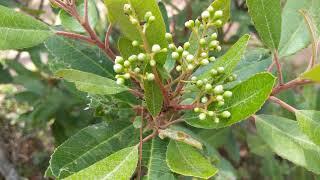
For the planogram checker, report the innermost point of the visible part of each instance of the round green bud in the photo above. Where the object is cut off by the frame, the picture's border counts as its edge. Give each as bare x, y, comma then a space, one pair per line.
118, 59
204, 99
197, 22
211, 113
204, 54
172, 46
210, 9
134, 21
180, 49
193, 78
156, 48
227, 94
179, 68
168, 36
205, 15
151, 19
127, 8
150, 77
147, 15
220, 103
196, 109
185, 53
218, 23
234, 76
175, 55
218, 89
208, 87
214, 72
220, 70
126, 63
152, 62
190, 67
219, 98
226, 114
216, 120
142, 57
186, 45
135, 43
133, 58
219, 48
120, 81
126, 76
137, 70
202, 116
199, 83
189, 24
214, 36
211, 59
202, 41
218, 14
190, 58
214, 44
205, 80
204, 61
117, 68
164, 50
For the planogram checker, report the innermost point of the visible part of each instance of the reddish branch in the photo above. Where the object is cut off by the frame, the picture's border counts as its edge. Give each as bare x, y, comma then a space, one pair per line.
290, 85
279, 68
282, 104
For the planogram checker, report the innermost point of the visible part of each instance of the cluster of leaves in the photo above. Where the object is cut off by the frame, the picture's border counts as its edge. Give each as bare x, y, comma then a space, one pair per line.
166, 85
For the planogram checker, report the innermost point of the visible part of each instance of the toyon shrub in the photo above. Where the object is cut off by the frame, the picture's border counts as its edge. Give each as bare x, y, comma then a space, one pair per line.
176, 93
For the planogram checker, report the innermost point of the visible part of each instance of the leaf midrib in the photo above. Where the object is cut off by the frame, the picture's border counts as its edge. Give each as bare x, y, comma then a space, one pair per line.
267, 23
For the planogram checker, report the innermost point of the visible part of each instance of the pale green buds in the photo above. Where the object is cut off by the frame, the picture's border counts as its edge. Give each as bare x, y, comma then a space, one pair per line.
150, 77
189, 24
211, 59
202, 41
190, 58
204, 99
214, 72
137, 70
133, 58
218, 89
218, 23
190, 67
180, 49
220, 103
227, 94
175, 55
179, 68
186, 45
142, 57
152, 62
204, 54
117, 68
126, 63
134, 21
156, 48
199, 83
225, 114
127, 8
214, 44
193, 78
205, 15
118, 59
120, 81
204, 61
185, 53
219, 48
214, 36
210, 9
147, 16
135, 43
202, 116
196, 109
219, 98
211, 113
168, 36
172, 46
220, 70
218, 14
151, 19
208, 87
216, 120
126, 76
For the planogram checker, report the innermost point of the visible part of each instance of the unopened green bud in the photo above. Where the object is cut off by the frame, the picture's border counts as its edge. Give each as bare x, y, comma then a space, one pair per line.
211, 113
214, 72
204, 61
126, 63
178, 68
142, 57
216, 120
190, 58
126, 76
150, 77
202, 41
186, 45
205, 80
226, 114
220, 70
196, 109
120, 81
204, 99
220, 103
152, 62
151, 19
227, 94
168, 36
199, 83
219, 48
193, 78
210, 9
147, 16
205, 14
189, 24
185, 53
118, 59
211, 59
219, 98
218, 89
202, 116
117, 68
133, 58
156, 48
218, 14
175, 55
208, 87
190, 67
197, 22
127, 8
214, 44
180, 49
164, 50
135, 43
137, 70
134, 21
214, 36
204, 54
172, 46
218, 23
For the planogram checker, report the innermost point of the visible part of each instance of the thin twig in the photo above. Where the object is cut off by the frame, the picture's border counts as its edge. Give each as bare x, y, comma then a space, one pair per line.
271, 66
75, 36
292, 84
108, 33
279, 68
171, 123
86, 17
282, 104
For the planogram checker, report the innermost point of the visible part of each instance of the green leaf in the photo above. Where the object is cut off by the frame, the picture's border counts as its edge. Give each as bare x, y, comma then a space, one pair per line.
229, 60
313, 74
186, 160
294, 32
284, 138
91, 83
155, 33
19, 31
90, 145
266, 15
164, 14
156, 161
248, 97
72, 24
126, 49
309, 123
78, 55
258, 146
153, 97
120, 165
223, 5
